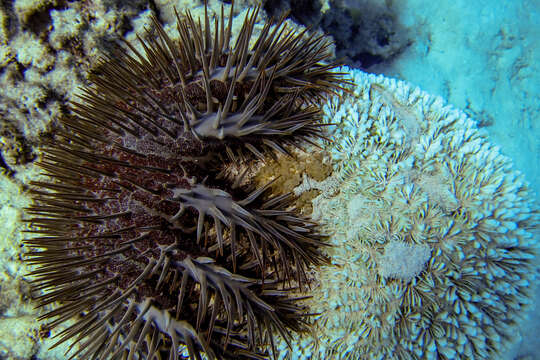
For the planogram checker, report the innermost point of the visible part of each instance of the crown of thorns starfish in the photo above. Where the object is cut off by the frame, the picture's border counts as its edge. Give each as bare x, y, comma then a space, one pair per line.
139, 237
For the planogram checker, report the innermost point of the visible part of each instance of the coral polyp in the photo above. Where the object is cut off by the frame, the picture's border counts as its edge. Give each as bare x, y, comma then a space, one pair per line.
142, 234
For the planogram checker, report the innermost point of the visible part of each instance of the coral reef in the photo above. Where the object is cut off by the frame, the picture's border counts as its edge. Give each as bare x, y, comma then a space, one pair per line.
410, 170
48, 47
140, 234
58, 53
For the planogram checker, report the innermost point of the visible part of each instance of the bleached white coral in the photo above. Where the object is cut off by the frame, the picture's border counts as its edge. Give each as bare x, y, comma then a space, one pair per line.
31, 51
403, 261
66, 25
414, 171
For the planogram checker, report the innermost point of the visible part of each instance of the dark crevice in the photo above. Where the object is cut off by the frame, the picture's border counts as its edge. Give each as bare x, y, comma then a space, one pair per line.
39, 21
366, 33
5, 166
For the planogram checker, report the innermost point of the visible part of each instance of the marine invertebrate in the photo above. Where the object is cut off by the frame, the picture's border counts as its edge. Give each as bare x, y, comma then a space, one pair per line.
142, 234
410, 169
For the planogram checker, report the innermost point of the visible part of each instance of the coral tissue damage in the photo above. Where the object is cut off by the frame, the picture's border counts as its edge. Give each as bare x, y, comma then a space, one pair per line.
141, 234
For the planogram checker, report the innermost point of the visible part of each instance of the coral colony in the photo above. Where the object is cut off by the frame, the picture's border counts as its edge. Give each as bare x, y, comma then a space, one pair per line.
148, 234
433, 252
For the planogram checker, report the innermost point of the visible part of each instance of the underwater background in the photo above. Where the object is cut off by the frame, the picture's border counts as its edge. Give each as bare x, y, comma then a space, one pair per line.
480, 56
